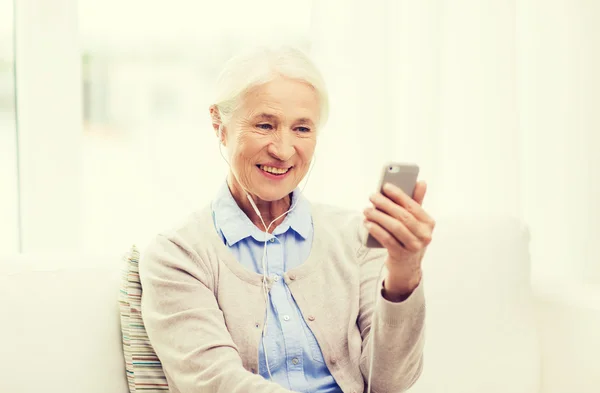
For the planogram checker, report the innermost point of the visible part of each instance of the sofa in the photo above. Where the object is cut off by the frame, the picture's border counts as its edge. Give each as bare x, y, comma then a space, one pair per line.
488, 329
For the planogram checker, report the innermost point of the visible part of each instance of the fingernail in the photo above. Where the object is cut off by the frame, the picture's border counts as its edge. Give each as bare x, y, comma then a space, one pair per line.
387, 187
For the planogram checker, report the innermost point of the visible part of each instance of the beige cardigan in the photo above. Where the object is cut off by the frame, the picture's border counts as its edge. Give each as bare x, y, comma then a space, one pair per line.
204, 311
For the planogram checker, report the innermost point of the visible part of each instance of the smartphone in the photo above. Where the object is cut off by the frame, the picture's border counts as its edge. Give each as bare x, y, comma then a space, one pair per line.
403, 176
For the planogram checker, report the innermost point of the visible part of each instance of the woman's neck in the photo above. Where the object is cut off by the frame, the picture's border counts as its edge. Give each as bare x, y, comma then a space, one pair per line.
269, 210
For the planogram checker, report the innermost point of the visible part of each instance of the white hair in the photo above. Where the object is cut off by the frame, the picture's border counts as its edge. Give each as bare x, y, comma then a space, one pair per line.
260, 65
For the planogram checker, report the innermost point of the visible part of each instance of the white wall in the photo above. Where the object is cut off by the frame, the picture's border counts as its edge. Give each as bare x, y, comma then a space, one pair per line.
559, 101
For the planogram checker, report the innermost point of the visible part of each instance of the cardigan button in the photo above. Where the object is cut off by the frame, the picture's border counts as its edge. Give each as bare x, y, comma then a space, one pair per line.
333, 360
311, 317
292, 276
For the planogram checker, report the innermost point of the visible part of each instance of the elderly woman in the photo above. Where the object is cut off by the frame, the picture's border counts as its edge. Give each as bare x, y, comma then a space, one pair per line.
265, 292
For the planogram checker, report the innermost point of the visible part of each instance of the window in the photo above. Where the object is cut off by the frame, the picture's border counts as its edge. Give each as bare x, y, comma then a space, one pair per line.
9, 225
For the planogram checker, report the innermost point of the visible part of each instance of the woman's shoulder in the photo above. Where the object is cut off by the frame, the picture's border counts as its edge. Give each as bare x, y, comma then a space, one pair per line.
193, 234
333, 212
188, 227
339, 221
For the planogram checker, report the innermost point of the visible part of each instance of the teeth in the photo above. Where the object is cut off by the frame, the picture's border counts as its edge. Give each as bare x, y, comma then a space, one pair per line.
275, 171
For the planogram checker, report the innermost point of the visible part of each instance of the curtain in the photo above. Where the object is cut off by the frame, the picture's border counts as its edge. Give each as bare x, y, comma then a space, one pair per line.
497, 101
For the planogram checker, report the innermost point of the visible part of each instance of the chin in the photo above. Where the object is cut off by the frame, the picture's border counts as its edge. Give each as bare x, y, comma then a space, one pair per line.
271, 191
272, 195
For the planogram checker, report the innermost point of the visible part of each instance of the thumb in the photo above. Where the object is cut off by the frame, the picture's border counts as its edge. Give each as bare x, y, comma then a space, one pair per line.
419, 193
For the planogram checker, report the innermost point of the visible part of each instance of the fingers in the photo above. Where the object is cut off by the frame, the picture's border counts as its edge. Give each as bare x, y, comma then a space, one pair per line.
388, 241
393, 234
398, 213
420, 191
412, 206
391, 209
398, 221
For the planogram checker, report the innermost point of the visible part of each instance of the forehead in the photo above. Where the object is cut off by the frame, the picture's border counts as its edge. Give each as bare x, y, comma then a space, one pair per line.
282, 97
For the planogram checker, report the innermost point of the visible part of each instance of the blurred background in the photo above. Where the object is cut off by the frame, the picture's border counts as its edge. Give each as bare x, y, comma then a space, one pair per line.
106, 140
105, 137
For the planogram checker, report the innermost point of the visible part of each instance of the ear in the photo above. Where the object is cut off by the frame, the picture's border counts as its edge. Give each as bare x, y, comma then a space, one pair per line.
217, 123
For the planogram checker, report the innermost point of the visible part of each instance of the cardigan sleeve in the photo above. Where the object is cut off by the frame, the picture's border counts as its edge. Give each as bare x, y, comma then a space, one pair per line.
186, 326
396, 330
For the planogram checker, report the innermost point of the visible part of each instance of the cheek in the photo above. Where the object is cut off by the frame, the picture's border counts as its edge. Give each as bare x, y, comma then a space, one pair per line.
249, 145
244, 150
306, 150
306, 153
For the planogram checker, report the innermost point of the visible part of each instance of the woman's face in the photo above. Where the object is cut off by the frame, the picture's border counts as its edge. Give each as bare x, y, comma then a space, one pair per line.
271, 138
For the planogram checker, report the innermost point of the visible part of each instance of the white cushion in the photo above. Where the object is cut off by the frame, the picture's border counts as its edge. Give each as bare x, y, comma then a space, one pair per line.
59, 331
569, 329
481, 334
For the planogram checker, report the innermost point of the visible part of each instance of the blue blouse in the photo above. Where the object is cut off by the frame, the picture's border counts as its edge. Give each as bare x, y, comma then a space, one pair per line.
294, 356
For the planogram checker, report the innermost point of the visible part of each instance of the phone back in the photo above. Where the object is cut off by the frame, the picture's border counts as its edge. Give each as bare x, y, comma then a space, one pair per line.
402, 175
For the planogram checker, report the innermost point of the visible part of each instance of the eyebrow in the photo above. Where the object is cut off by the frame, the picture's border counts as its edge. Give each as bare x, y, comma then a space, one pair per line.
270, 117
306, 120
266, 116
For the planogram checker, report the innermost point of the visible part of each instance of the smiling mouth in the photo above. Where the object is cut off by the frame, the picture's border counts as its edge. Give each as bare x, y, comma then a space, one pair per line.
274, 171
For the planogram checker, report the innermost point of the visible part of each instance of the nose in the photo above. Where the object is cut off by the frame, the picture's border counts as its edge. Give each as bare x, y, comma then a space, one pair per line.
282, 147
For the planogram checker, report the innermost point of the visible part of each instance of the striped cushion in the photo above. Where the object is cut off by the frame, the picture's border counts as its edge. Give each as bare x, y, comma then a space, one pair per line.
144, 370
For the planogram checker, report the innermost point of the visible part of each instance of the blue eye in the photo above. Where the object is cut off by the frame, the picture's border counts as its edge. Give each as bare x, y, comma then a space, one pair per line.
303, 129
265, 126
